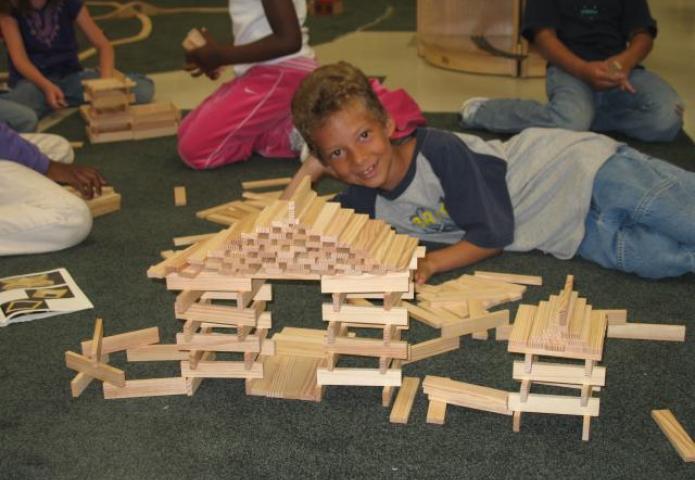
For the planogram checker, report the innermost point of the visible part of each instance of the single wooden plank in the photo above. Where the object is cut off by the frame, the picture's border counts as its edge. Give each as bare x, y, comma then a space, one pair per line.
511, 277
675, 433
466, 394
149, 387
369, 347
180, 196
271, 182
436, 412
404, 400
102, 371
191, 239
559, 373
222, 369
156, 353
555, 404
365, 314
367, 377
218, 342
79, 383
124, 341
366, 283
647, 331
471, 325
97, 339
431, 348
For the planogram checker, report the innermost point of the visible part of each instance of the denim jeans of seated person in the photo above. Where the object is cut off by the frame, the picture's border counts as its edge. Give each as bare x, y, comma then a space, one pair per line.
642, 217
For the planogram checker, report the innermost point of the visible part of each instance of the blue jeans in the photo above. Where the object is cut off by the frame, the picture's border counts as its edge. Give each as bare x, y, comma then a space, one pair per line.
652, 114
642, 217
30, 104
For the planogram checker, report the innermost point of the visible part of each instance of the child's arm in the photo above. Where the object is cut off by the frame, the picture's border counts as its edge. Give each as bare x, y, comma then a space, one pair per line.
598, 74
640, 45
285, 39
97, 38
311, 168
448, 258
15, 46
86, 180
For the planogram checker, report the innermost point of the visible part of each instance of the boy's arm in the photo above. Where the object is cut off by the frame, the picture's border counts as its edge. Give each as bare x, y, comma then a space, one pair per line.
15, 46
311, 168
97, 38
448, 258
285, 39
597, 74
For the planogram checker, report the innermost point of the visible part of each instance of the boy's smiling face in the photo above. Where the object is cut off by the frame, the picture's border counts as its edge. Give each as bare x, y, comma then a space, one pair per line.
355, 145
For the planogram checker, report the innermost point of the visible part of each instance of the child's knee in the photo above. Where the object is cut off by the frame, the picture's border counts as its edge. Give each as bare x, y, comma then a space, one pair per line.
76, 226
25, 121
144, 89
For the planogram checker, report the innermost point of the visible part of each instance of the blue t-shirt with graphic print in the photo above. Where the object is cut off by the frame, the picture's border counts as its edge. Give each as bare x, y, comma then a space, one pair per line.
450, 193
49, 39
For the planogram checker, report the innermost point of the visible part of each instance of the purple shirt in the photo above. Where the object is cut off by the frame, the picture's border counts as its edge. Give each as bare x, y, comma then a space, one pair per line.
49, 39
15, 149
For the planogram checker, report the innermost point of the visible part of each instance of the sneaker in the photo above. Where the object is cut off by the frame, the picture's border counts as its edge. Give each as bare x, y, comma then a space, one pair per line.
468, 110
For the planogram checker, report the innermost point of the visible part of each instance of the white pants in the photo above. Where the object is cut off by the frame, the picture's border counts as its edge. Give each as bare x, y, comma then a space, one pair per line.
36, 214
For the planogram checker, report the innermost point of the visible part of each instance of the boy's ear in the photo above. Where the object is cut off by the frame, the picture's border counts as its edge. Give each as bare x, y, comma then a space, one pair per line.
390, 126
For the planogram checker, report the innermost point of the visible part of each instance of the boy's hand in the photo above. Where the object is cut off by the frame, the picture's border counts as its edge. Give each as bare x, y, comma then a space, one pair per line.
86, 180
615, 66
207, 59
54, 96
601, 76
425, 269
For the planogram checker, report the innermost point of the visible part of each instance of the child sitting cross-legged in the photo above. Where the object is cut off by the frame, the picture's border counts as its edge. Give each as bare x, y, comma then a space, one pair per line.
563, 192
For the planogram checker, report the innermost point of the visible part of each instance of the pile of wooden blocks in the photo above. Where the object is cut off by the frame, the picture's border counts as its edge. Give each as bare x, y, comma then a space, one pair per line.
110, 117
303, 237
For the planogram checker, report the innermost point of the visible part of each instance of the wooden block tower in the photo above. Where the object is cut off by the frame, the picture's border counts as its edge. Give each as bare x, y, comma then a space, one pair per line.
110, 117
303, 238
564, 327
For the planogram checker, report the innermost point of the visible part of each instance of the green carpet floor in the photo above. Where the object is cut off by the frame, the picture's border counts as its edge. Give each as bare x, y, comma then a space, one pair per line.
222, 433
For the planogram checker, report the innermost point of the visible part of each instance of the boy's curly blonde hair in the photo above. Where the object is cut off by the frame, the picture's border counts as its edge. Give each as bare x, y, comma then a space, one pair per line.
328, 90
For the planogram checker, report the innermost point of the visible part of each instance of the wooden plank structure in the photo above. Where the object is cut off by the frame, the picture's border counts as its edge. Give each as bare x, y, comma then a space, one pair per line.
110, 117
565, 327
109, 201
303, 238
477, 36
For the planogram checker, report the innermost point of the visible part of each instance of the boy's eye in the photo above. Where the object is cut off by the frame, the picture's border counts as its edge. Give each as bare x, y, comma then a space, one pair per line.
364, 134
335, 154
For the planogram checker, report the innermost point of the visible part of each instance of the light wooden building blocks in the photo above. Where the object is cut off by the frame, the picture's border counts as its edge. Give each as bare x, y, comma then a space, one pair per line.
676, 434
565, 327
110, 117
109, 201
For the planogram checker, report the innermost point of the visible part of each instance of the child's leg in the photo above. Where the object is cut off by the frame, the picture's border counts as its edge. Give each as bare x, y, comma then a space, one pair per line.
30, 96
36, 214
18, 117
53, 146
653, 114
641, 219
250, 113
570, 106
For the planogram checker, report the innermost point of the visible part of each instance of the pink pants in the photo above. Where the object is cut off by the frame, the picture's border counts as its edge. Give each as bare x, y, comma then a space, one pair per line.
252, 114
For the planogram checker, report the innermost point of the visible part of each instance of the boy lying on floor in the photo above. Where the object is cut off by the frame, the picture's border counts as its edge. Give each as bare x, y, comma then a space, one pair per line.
562, 192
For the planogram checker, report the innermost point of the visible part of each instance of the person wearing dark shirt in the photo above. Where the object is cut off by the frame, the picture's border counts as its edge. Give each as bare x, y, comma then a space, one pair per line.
594, 79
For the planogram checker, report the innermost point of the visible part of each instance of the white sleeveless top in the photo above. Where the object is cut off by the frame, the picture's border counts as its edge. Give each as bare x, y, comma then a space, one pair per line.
249, 24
